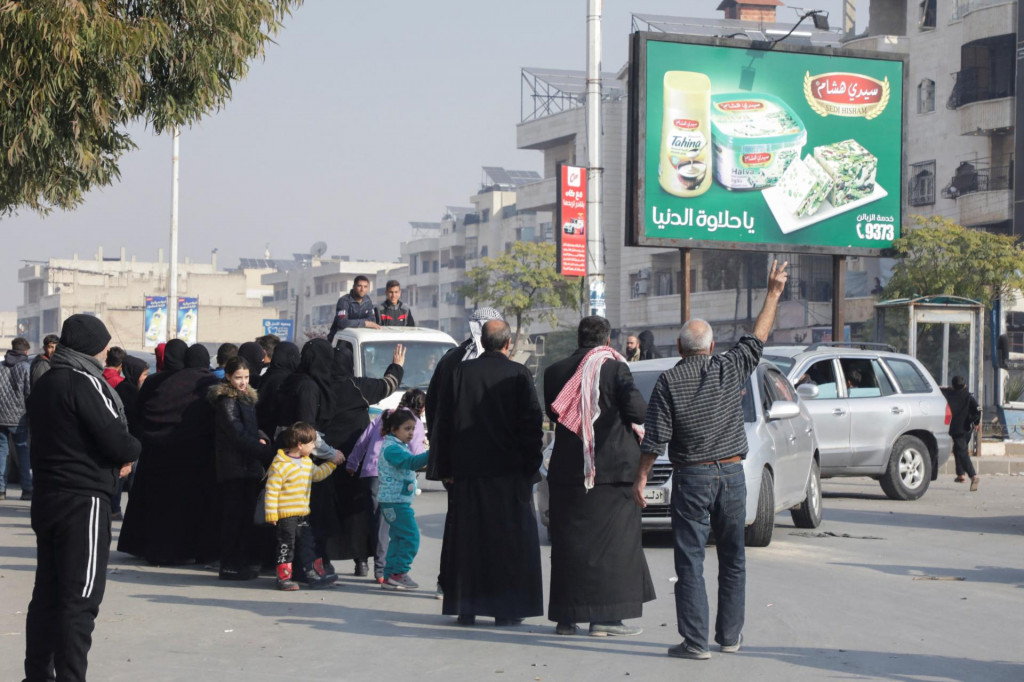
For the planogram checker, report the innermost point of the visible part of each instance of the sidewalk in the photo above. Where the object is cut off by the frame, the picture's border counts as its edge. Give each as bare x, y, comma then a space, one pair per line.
997, 457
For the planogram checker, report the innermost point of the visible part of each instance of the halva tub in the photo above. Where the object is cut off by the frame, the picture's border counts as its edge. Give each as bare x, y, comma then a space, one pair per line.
755, 136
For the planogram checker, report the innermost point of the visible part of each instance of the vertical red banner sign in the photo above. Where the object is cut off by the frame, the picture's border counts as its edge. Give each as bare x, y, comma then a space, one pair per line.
571, 221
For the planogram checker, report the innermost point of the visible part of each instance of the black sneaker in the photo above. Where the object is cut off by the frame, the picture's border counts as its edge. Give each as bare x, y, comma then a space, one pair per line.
362, 569
684, 650
733, 648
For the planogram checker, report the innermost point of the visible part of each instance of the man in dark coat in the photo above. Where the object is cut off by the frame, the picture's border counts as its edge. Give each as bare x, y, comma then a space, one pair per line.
965, 418
354, 309
80, 447
392, 312
490, 437
598, 570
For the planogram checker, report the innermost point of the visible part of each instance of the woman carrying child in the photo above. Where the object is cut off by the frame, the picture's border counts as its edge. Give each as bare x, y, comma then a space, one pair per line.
291, 475
396, 470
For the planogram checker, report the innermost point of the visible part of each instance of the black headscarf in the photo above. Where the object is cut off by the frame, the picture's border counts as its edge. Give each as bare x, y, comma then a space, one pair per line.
286, 358
197, 357
342, 366
132, 368
253, 354
284, 363
174, 355
315, 362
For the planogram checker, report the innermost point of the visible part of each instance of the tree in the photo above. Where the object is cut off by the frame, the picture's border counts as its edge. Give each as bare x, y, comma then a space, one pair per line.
75, 73
940, 257
523, 284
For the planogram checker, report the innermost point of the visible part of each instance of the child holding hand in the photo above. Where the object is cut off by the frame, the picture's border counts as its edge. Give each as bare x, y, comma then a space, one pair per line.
291, 475
396, 470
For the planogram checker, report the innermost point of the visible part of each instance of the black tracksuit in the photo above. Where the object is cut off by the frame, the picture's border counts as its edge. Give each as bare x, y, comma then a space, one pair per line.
79, 444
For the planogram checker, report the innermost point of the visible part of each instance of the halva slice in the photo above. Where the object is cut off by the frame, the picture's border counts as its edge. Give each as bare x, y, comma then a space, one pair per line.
796, 186
852, 169
821, 188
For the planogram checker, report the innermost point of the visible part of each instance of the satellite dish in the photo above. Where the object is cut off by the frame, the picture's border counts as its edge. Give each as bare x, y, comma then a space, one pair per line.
318, 249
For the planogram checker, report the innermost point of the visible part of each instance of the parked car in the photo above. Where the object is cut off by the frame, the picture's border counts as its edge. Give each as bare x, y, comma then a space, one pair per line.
877, 413
781, 467
372, 351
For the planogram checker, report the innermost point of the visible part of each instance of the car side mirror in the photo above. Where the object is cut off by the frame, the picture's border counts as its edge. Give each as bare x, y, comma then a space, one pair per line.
807, 391
783, 409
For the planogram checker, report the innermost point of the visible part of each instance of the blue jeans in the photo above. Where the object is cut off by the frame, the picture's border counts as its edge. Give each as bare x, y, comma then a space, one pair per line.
705, 498
404, 537
20, 434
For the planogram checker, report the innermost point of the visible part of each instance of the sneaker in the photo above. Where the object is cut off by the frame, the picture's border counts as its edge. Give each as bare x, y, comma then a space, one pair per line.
317, 581
974, 484
732, 648
379, 579
3, 495
284, 578
362, 569
26, 496
566, 629
617, 629
400, 581
438, 592
684, 650
320, 566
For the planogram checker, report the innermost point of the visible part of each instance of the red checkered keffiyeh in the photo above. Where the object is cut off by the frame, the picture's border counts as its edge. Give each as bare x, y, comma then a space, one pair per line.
578, 405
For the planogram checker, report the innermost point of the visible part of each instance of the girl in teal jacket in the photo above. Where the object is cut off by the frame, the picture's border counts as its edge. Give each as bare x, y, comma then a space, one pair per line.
396, 471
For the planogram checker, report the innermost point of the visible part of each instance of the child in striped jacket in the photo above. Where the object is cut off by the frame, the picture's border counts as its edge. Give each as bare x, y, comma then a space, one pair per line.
291, 475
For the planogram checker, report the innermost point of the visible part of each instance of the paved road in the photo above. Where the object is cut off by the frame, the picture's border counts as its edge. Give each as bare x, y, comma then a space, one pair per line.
873, 599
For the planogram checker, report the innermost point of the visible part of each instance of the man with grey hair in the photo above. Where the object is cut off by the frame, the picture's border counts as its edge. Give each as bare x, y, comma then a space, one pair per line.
490, 438
696, 410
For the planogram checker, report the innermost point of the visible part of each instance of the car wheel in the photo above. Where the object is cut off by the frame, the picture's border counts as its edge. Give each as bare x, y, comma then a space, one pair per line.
808, 514
759, 533
909, 471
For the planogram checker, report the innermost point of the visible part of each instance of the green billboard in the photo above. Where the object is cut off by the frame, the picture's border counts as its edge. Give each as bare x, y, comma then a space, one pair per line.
781, 149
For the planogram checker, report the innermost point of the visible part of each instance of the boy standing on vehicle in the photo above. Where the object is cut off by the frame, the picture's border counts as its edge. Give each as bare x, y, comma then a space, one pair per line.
392, 312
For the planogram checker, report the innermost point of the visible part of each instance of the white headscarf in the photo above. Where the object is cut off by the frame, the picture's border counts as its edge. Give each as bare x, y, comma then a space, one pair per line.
476, 329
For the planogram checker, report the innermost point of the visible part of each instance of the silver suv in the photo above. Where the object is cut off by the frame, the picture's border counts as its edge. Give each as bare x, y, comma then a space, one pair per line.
876, 413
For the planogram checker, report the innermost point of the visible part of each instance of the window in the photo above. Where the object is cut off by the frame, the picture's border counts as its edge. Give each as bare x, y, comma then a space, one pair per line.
926, 96
922, 183
908, 376
776, 388
823, 375
927, 14
865, 378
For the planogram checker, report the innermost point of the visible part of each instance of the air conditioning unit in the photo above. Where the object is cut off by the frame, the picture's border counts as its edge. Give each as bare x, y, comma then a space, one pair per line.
640, 286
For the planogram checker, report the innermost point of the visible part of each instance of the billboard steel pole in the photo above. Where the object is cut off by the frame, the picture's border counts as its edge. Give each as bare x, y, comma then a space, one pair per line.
172, 277
595, 237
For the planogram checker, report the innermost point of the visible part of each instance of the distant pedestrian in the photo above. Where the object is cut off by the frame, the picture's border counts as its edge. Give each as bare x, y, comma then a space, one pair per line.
80, 447
966, 415
135, 371
269, 343
397, 470
354, 309
647, 349
291, 474
225, 352
599, 573
41, 363
286, 361
15, 386
112, 371
392, 312
256, 357
632, 348
696, 411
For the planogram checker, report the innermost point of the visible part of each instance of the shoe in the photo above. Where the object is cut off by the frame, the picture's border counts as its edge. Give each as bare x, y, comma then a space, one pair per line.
617, 629
466, 620
380, 580
245, 573
507, 622
320, 566
732, 648
26, 496
566, 629
362, 569
400, 581
438, 592
974, 484
117, 516
960, 479
3, 495
317, 581
684, 650
284, 578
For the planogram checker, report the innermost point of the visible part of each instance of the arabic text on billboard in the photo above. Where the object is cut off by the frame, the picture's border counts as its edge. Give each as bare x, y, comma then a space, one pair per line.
572, 221
282, 329
766, 148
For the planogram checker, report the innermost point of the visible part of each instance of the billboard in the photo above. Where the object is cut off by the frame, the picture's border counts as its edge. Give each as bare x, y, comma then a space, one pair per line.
571, 221
156, 321
188, 319
763, 150
282, 329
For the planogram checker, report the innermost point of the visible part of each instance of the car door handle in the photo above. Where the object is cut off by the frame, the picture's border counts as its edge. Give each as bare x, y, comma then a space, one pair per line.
897, 410
808, 430
839, 413
792, 438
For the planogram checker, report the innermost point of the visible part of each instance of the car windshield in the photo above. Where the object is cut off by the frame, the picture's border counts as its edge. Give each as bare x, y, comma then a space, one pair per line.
645, 384
781, 361
420, 359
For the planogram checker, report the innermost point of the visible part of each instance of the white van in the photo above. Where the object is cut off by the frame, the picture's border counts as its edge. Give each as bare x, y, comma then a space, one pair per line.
372, 351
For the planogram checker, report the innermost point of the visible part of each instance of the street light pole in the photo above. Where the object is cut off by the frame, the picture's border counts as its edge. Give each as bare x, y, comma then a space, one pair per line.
595, 238
172, 277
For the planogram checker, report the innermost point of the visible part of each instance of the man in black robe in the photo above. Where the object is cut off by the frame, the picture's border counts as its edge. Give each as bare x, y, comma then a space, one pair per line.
598, 570
490, 438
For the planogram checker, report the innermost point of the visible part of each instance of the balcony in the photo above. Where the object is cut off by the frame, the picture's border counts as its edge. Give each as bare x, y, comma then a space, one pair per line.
983, 193
987, 117
537, 196
30, 272
879, 43
984, 18
977, 84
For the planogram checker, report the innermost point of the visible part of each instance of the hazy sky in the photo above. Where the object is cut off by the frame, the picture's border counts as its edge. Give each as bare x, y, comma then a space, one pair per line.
363, 117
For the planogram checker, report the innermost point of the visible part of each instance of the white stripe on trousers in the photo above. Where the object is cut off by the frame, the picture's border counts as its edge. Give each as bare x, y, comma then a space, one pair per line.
94, 540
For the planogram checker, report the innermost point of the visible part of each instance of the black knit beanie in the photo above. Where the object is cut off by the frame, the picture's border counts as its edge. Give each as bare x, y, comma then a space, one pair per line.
85, 334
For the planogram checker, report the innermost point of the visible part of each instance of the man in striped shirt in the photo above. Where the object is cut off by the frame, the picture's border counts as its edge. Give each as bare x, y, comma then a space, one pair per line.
695, 409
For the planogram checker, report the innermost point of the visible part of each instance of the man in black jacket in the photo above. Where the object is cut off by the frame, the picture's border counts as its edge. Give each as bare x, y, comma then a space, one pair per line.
80, 447
599, 573
354, 309
965, 418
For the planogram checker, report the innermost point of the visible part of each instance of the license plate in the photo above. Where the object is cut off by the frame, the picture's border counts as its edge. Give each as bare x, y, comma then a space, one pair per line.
654, 495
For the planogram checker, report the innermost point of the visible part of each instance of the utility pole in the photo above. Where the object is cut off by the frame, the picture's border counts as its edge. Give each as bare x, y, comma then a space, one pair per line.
172, 277
595, 238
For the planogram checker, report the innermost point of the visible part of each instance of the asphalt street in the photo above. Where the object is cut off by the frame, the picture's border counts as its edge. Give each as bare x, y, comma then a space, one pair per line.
926, 590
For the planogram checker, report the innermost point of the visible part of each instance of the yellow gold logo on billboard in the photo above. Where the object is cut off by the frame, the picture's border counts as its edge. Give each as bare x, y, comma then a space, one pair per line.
846, 94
